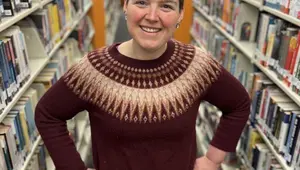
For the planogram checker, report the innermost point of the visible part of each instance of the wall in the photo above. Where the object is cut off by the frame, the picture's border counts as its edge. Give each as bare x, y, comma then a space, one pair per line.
97, 14
183, 32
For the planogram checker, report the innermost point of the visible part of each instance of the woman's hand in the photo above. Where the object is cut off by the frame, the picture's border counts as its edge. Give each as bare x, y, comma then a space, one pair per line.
204, 163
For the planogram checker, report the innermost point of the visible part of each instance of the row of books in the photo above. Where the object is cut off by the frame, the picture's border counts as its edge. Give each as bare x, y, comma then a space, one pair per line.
282, 131
10, 8
278, 49
221, 48
13, 63
277, 116
112, 15
18, 132
227, 10
291, 7
277, 41
82, 32
255, 152
38, 161
14, 51
52, 21
79, 5
237, 18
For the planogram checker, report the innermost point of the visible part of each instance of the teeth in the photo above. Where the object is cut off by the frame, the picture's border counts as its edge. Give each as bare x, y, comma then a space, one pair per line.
151, 30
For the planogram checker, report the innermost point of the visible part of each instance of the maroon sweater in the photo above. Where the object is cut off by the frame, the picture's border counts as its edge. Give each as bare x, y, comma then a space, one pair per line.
142, 113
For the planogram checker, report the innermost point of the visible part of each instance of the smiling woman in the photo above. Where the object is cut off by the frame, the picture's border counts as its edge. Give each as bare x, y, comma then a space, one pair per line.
143, 96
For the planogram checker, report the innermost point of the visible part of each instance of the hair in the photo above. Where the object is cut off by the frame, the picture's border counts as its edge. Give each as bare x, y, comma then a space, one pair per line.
181, 2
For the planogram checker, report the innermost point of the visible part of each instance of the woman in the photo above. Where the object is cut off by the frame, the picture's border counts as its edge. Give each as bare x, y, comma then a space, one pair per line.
142, 97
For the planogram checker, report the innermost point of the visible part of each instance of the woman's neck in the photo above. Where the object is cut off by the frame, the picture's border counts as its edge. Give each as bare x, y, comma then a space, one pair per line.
133, 50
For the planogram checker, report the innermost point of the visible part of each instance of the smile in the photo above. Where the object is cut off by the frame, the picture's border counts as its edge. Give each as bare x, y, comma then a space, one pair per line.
150, 30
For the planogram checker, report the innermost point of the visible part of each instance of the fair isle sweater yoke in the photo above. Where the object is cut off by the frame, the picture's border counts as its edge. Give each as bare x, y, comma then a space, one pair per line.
142, 113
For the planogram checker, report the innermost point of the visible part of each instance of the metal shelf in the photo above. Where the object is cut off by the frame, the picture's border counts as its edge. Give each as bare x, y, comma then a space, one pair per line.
247, 48
257, 4
9, 21
36, 66
275, 12
33, 149
279, 158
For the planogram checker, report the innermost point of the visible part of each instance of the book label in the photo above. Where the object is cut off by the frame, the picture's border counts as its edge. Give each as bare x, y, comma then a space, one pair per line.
7, 12
24, 5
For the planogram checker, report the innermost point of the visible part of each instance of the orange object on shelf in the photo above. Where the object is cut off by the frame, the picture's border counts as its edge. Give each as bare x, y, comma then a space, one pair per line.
97, 14
183, 32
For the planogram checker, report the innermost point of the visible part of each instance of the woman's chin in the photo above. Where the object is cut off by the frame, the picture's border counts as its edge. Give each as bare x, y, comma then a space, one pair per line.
152, 46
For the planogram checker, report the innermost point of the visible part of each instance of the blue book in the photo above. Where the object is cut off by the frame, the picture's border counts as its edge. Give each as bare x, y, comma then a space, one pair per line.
288, 142
16, 114
4, 70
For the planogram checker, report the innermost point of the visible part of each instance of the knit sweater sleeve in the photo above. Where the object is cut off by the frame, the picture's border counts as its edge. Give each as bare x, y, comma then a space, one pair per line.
228, 94
58, 105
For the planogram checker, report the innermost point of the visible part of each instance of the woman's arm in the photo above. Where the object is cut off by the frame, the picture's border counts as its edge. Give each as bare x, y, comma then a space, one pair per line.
58, 105
228, 94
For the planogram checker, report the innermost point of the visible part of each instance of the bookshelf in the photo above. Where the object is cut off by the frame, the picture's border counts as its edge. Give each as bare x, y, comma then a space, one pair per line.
243, 157
254, 3
38, 58
274, 12
247, 48
278, 157
199, 43
89, 39
73, 25
7, 22
112, 14
249, 51
36, 65
35, 146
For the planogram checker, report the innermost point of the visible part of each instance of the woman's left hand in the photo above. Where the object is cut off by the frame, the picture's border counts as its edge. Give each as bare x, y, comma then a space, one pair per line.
204, 163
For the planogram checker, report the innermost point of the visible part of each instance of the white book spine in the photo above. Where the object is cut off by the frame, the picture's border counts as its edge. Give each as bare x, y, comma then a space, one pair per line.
282, 135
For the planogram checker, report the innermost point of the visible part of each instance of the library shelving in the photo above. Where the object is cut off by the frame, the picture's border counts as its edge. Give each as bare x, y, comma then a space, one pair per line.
36, 65
242, 156
248, 48
28, 158
7, 22
278, 157
249, 51
112, 15
257, 4
38, 57
274, 12
245, 47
